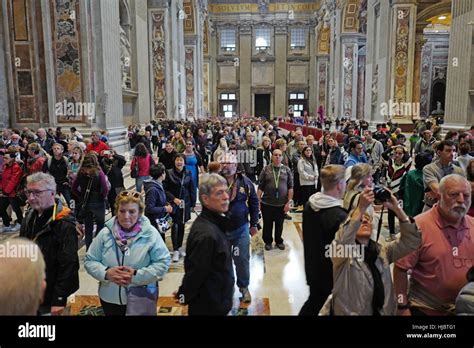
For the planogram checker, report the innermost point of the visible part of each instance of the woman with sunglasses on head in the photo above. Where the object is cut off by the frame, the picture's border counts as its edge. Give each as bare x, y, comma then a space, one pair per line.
397, 166
127, 253
180, 191
193, 163
90, 189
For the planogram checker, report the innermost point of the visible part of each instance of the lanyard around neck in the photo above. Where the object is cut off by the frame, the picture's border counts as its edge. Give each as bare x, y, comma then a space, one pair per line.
276, 178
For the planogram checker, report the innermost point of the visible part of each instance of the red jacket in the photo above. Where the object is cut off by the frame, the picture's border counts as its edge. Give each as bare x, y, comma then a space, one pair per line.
144, 164
35, 165
97, 147
11, 177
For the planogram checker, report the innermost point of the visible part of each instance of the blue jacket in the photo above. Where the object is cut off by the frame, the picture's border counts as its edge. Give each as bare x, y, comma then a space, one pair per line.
148, 254
245, 202
155, 200
353, 160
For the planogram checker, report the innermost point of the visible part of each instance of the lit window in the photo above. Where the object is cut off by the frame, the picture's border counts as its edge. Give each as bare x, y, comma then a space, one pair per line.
262, 38
292, 95
300, 96
298, 38
228, 39
232, 96
224, 96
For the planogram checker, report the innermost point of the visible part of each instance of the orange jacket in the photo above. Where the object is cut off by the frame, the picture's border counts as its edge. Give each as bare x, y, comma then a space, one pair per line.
11, 177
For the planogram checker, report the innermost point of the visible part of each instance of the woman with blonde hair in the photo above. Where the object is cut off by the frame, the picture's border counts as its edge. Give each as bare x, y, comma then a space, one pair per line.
128, 257
361, 177
264, 155
75, 161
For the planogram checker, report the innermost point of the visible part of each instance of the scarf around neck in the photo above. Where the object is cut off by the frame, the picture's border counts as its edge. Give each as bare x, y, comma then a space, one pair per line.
122, 237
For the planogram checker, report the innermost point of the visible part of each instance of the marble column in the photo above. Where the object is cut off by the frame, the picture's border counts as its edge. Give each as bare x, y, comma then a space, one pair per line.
402, 56
4, 87
108, 84
348, 76
213, 97
140, 61
322, 82
245, 68
419, 42
313, 49
281, 97
459, 111
335, 106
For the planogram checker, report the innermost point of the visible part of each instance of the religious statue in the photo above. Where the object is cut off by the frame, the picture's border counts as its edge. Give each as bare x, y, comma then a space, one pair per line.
263, 6
375, 79
125, 57
438, 110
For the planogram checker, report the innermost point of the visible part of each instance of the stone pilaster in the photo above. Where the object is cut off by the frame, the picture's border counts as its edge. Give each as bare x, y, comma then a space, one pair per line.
459, 111
402, 55
245, 68
109, 111
348, 76
281, 97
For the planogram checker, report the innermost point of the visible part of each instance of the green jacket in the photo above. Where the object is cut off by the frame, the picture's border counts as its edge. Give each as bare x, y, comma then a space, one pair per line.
413, 193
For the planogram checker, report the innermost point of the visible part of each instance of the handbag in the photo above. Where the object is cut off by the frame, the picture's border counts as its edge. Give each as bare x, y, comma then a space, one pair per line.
141, 300
164, 223
135, 170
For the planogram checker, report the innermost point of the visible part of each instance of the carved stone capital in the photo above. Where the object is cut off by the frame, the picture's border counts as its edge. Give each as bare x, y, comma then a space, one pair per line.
245, 27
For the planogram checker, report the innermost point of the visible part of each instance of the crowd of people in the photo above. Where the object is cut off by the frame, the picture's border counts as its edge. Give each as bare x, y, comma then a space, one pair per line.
241, 171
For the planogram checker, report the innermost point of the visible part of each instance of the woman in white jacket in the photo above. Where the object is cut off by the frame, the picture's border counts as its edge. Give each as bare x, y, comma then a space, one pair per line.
308, 171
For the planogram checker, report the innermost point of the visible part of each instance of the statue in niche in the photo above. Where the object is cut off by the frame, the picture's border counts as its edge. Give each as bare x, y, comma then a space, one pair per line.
263, 7
438, 110
375, 80
125, 57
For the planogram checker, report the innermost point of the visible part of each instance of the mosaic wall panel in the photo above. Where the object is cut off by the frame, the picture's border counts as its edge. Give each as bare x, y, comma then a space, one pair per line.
189, 20
189, 66
67, 55
205, 71
322, 84
426, 56
158, 64
361, 87
402, 33
348, 65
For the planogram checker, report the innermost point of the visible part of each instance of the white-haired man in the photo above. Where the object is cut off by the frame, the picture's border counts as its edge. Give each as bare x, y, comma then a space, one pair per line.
439, 266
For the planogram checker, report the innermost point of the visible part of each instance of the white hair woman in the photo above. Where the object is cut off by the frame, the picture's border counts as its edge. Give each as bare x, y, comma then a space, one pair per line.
127, 253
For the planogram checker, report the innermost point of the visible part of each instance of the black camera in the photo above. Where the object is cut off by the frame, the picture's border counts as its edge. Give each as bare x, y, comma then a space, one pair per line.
381, 194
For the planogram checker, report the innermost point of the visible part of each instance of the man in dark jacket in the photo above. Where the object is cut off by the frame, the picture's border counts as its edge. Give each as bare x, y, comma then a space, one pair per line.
112, 164
167, 156
53, 228
57, 166
243, 201
321, 219
208, 282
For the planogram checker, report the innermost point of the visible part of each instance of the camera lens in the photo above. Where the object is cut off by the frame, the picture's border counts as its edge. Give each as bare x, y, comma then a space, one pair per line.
381, 194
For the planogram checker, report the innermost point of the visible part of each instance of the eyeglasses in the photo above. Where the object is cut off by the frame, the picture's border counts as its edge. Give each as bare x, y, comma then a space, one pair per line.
35, 194
133, 194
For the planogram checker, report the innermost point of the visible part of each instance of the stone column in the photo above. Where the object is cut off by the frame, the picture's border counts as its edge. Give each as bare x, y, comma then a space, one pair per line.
313, 49
245, 68
108, 85
281, 49
4, 105
419, 42
140, 62
335, 106
402, 56
348, 76
459, 111
213, 44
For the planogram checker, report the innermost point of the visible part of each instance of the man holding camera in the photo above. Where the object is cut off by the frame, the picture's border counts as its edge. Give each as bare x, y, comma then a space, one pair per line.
243, 201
